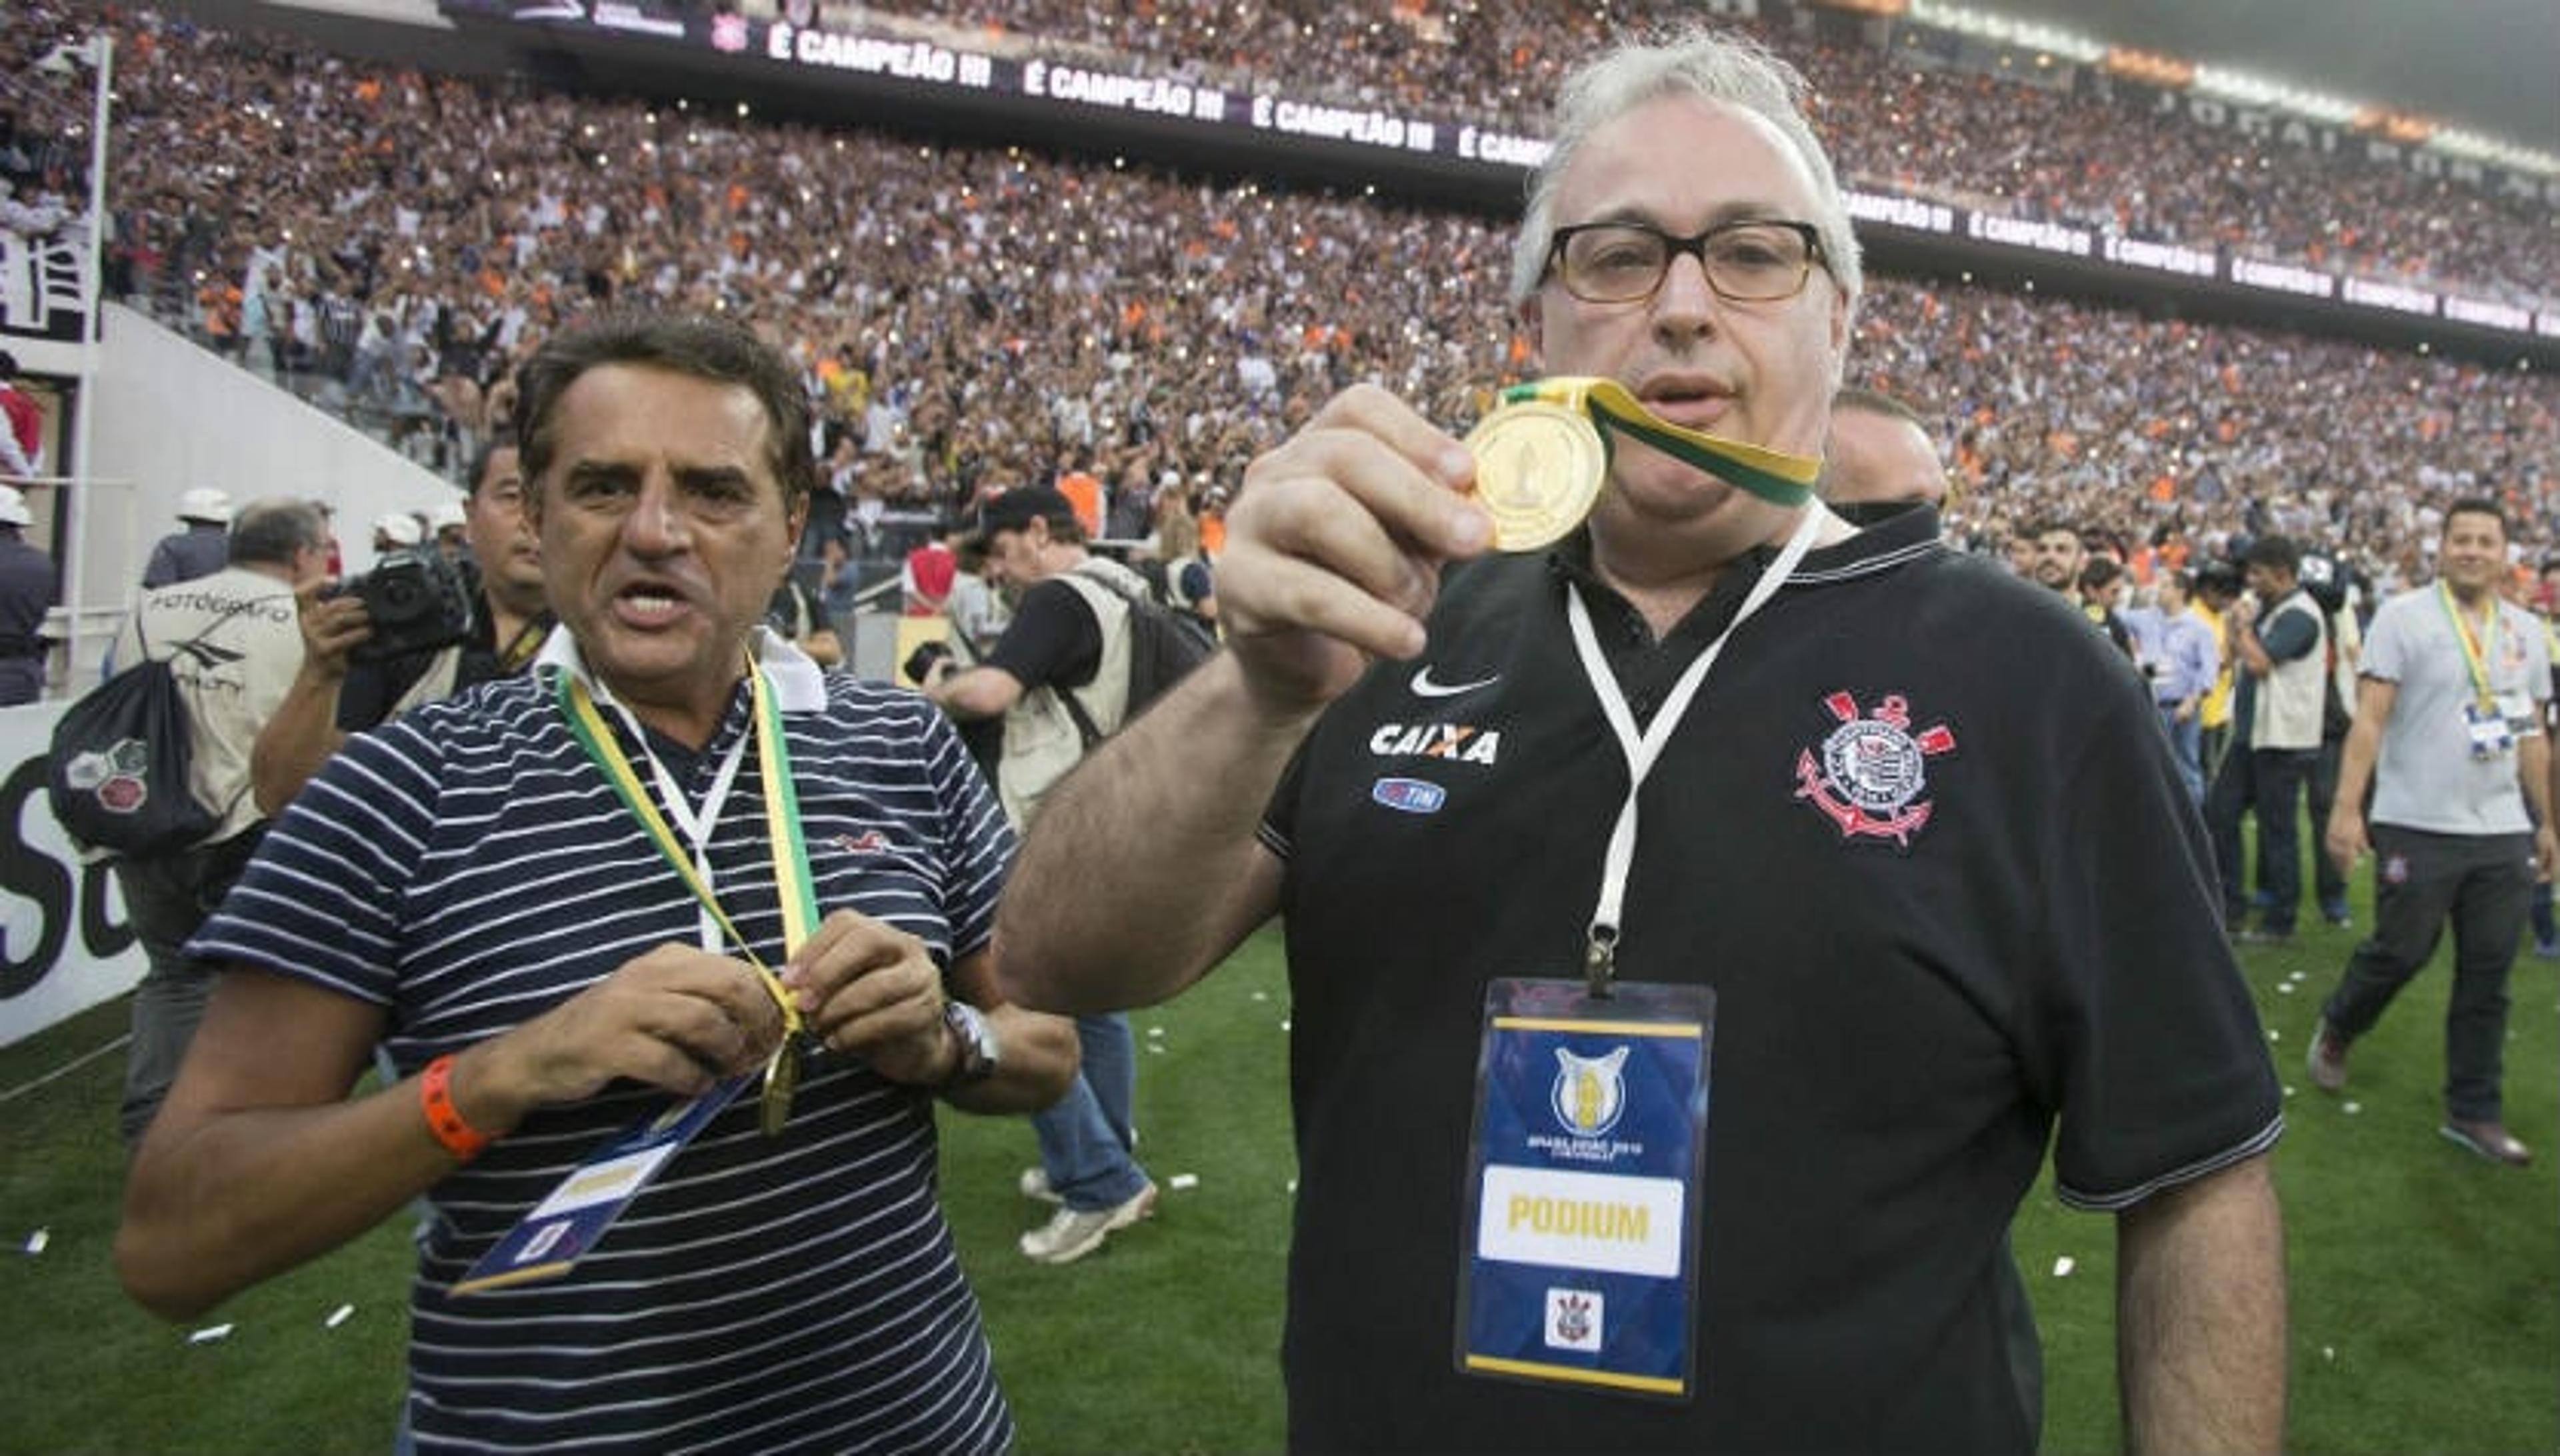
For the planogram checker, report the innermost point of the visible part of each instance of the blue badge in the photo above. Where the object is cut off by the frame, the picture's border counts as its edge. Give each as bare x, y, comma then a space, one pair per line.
1585, 1209
546, 1242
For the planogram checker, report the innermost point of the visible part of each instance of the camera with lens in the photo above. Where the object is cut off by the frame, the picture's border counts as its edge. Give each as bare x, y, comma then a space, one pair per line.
416, 601
919, 663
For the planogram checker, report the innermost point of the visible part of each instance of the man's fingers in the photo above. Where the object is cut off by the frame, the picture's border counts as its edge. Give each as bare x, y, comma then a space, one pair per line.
1293, 595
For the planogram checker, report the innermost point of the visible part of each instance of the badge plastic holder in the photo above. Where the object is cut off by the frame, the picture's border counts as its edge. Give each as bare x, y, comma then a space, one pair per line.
1584, 1193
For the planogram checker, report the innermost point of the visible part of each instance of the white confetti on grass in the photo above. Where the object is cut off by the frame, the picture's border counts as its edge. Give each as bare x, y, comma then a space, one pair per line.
2350, 1108
2063, 1267
1181, 1181
338, 1317
37, 1241
1155, 1031
210, 1334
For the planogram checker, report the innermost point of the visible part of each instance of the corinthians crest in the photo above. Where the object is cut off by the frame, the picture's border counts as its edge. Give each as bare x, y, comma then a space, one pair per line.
1868, 774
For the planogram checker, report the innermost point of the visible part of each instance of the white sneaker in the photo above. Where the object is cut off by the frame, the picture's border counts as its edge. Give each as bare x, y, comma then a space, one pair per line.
1035, 1184
1070, 1234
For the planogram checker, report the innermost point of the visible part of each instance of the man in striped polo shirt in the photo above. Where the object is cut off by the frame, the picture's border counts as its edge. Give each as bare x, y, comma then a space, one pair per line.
554, 899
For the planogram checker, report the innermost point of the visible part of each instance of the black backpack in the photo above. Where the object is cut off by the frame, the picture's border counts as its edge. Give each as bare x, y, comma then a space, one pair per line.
121, 759
1163, 646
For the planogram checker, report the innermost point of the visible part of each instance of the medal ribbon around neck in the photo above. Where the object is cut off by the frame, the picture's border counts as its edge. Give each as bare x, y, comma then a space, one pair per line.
1774, 476
2475, 650
789, 848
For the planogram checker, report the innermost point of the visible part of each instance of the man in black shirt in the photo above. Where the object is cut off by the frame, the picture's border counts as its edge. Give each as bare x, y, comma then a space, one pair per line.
1070, 636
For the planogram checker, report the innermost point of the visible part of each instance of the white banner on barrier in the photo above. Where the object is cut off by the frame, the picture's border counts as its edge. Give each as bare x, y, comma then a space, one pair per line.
66, 944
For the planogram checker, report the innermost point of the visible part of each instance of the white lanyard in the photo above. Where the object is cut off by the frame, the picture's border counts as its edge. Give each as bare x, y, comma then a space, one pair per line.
695, 824
1644, 748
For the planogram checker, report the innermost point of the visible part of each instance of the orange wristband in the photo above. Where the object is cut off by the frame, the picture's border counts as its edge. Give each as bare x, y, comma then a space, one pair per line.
435, 1094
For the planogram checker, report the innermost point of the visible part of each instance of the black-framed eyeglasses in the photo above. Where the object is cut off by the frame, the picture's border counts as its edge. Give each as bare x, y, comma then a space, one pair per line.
1755, 260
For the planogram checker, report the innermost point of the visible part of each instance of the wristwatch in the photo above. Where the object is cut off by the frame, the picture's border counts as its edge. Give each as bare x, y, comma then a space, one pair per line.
975, 1037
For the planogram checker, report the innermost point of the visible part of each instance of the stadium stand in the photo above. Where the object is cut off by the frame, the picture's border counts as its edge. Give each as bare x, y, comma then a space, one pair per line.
389, 241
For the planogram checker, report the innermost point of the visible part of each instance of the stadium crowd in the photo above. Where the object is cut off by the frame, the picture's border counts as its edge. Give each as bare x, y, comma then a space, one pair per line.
397, 242
1911, 125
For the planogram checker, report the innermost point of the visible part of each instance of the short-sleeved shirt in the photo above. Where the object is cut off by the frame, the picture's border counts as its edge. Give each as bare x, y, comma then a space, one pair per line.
1053, 641
466, 868
2428, 778
1952, 904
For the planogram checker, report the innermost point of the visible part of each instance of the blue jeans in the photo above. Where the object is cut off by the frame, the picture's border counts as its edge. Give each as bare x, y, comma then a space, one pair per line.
2186, 746
1086, 1140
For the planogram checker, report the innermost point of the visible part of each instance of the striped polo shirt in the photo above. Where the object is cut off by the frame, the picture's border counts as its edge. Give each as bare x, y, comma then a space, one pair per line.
467, 867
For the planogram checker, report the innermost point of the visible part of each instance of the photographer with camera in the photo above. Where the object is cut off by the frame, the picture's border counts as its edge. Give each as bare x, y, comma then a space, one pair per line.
232, 648
412, 630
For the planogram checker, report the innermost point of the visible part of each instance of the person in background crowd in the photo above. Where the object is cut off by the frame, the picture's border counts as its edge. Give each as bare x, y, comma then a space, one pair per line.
1930, 1029
22, 441
2020, 553
799, 615
1181, 572
2278, 638
2448, 714
333, 557
2179, 659
396, 531
979, 613
1880, 453
231, 644
924, 577
197, 551
335, 693
30, 588
2337, 598
489, 888
2217, 587
450, 530
1070, 638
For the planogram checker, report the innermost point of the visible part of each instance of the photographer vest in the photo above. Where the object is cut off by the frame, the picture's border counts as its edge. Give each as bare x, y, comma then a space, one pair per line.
1040, 738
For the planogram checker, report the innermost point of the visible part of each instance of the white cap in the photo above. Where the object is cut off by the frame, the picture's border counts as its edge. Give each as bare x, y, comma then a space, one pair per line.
445, 517
13, 508
205, 504
399, 528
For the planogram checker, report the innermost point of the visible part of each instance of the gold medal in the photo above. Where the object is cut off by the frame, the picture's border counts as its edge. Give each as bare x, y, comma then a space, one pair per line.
1540, 466
781, 1080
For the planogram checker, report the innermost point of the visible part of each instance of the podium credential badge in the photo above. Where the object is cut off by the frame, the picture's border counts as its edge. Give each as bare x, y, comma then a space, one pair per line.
1584, 1188
548, 1241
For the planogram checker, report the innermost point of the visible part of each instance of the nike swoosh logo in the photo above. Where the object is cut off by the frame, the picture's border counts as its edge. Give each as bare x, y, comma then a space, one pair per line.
1423, 686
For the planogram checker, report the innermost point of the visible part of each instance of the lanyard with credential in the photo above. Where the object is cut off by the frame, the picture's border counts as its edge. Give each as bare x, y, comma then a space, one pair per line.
548, 1242
2476, 651
785, 842
1643, 748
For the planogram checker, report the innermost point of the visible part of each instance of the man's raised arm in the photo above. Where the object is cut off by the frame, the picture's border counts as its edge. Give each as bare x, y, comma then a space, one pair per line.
1143, 870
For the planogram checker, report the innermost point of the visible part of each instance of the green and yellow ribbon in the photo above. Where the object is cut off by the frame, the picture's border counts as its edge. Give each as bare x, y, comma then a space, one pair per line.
784, 839
1774, 476
2477, 650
